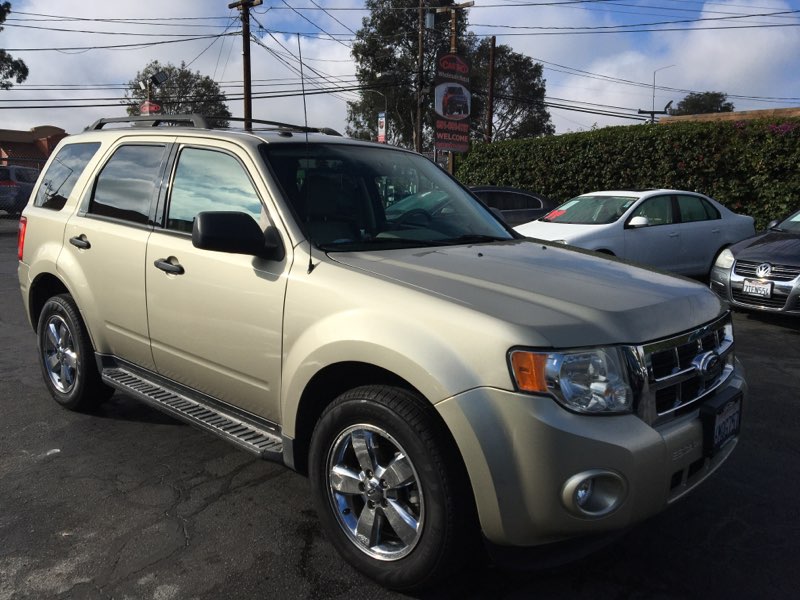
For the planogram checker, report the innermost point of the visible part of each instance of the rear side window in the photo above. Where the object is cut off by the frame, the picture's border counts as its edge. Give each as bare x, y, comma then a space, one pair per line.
63, 172
128, 183
694, 208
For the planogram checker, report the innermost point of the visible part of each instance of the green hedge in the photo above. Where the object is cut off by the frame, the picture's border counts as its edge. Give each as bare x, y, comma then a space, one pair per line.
752, 167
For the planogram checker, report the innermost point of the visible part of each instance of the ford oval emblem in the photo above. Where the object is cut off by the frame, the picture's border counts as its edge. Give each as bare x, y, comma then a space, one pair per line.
763, 270
708, 365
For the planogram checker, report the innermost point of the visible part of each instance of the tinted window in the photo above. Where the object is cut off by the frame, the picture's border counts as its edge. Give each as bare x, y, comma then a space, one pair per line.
125, 187
63, 172
26, 175
209, 180
694, 208
657, 211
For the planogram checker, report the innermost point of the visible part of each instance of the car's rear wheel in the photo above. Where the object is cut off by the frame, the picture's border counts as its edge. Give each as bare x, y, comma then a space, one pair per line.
66, 356
389, 494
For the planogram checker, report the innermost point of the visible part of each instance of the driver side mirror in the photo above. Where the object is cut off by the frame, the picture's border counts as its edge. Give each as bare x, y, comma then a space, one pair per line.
637, 222
236, 233
773, 224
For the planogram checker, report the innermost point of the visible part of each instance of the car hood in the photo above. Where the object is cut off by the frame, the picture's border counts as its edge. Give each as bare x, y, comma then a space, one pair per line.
563, 297
773, 246
545, 230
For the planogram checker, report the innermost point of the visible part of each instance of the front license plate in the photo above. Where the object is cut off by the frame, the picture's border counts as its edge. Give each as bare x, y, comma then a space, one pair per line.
722, 424
757, 288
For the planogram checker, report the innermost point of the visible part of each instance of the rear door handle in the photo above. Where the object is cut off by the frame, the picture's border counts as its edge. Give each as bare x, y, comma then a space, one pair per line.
168, 267
80, 241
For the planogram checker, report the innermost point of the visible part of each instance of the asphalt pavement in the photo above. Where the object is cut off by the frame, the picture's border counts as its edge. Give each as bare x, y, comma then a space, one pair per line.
127, 503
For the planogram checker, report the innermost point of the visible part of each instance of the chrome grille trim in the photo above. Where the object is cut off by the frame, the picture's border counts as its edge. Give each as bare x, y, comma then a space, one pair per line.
747, 268
670, 378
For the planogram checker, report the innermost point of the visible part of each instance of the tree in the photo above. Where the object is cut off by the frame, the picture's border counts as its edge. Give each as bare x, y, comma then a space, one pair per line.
519, 110
183, 92
386, 50
10, 67
700, 103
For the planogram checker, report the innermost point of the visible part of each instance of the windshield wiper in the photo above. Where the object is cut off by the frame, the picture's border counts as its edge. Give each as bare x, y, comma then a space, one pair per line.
475, 238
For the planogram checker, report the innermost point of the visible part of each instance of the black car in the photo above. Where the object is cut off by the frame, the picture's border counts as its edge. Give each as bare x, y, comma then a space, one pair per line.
517, 206
762, 272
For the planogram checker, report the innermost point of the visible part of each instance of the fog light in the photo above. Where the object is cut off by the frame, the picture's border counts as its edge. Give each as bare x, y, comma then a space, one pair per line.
594, 494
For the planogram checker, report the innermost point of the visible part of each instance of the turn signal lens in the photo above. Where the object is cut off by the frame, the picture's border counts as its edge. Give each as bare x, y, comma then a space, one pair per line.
529, 371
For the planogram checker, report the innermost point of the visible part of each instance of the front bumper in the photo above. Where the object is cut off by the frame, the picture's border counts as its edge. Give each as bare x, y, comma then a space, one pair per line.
520, 451
784, 297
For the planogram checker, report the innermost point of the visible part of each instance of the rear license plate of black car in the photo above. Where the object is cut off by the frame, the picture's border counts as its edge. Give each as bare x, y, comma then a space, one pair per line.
721, 423
753, 287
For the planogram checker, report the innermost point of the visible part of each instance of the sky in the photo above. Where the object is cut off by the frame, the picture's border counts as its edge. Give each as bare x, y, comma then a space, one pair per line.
599, 56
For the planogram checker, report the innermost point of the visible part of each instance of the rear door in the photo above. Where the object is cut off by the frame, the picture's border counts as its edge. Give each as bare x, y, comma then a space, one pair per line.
701, 233
105, 246
216, 324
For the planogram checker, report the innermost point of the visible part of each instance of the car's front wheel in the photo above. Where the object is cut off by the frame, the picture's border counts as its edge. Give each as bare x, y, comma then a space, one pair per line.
66, 356
390, 495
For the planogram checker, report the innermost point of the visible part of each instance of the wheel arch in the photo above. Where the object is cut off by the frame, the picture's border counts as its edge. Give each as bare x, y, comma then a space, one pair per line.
43, 287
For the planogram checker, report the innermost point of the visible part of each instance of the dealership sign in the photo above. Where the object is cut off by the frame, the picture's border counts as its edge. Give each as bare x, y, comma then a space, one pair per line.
382, 127
149, 108
452, 102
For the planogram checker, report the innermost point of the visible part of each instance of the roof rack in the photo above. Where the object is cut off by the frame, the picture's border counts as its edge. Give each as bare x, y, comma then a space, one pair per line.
153, 121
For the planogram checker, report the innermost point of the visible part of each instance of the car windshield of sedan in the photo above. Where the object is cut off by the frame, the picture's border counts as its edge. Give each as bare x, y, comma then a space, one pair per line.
591, 210
791, 224
348, 197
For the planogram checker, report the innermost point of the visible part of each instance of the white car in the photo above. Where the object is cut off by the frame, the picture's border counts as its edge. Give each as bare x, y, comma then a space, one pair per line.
673, 230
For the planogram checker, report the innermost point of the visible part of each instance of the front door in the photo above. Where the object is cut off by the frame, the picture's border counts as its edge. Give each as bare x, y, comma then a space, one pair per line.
658, 243
216, 323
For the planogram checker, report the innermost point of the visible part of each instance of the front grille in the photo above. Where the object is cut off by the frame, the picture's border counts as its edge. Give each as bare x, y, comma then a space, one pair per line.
680, 372
747, 268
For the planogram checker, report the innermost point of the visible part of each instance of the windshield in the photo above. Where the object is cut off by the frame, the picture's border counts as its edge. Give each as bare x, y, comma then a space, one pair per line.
349, 197
791, 224
591, 210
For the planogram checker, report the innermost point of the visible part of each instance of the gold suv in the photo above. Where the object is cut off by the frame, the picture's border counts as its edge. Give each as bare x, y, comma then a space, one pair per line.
351, 311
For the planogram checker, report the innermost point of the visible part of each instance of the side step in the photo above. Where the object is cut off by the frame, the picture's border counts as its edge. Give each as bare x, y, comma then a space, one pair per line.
258, 440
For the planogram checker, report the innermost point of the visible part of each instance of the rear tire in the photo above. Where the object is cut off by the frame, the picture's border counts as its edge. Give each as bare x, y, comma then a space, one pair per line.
66, 356
388, 491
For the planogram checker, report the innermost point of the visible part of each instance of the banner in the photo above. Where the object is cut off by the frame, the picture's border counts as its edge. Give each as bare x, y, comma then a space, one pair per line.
382, 127
452, 103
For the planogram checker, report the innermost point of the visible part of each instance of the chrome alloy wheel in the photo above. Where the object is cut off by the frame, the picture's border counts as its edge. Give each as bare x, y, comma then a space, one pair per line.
59, 354
375, 493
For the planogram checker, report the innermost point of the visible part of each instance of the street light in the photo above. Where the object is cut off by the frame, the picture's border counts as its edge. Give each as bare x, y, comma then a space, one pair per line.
654, 87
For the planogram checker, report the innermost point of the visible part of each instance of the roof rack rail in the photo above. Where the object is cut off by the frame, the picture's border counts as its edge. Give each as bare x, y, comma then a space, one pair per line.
288, 126
195, 120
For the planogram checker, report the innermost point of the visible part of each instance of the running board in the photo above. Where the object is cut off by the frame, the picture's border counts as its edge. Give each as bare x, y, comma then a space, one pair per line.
248, 436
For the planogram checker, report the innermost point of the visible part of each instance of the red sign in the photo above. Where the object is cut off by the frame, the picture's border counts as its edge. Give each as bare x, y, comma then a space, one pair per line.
149, 108
452, 103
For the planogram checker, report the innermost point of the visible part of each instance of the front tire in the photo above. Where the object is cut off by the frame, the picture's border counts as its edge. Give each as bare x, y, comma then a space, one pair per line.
66, 356
389, 492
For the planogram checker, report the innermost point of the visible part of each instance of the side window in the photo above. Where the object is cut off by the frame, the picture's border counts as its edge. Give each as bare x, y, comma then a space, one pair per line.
207, 180
62, 174
694, 208
126, 186
657, 211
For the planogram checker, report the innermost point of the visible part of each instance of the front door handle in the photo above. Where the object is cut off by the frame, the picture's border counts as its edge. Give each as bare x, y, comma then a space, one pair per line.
80, 241
168, 267
674, 234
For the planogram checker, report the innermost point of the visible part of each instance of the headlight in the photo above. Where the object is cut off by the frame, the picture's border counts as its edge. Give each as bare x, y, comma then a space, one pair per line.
586, 381
724, 260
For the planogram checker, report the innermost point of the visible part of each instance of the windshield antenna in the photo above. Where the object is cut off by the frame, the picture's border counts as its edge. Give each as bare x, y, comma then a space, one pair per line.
311, 264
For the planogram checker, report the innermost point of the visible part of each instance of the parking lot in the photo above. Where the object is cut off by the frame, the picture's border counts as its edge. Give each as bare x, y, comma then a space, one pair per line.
128, 503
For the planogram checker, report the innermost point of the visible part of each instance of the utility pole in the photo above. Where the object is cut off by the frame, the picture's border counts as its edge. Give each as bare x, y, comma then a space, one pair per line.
244, 7
420, 56
490, 101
